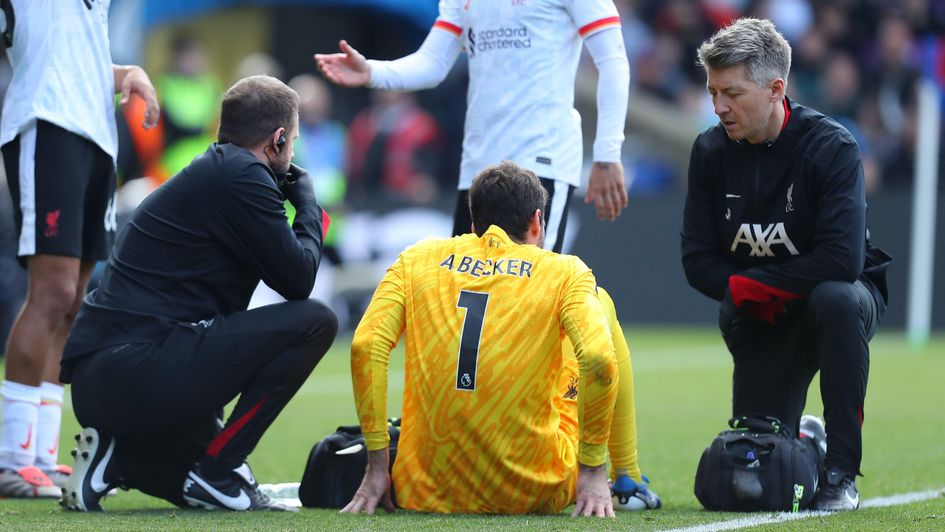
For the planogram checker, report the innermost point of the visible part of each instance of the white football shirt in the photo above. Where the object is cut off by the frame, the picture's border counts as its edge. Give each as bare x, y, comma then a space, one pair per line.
523, 57
62, 70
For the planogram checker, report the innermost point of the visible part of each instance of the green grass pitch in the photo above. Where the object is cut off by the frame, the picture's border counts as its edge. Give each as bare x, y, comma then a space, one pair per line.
683, 380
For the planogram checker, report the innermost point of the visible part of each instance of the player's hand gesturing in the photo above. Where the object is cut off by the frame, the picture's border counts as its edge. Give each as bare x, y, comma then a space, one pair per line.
348, 68
607, 189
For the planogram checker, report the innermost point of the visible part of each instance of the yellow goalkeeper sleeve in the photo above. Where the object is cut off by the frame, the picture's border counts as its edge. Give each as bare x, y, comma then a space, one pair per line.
622, 444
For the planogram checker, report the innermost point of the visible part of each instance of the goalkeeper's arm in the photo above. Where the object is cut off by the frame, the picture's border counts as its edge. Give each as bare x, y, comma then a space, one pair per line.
582, 318
374, 339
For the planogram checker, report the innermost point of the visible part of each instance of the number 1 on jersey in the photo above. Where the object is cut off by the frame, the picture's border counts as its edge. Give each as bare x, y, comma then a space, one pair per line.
475, 305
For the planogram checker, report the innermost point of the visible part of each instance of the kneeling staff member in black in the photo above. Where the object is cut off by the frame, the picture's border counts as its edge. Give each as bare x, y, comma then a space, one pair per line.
166, 341
775, 229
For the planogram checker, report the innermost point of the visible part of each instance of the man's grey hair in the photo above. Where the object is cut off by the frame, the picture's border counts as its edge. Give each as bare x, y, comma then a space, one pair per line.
754, 43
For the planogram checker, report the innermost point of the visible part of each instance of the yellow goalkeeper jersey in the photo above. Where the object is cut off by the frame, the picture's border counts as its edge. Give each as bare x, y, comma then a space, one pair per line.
485, 318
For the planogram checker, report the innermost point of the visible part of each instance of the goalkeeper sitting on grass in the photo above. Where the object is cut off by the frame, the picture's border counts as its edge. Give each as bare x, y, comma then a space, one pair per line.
500, 415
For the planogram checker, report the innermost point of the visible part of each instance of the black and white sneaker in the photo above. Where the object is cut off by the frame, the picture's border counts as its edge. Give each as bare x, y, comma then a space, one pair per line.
838, 492
237, 491
94, 473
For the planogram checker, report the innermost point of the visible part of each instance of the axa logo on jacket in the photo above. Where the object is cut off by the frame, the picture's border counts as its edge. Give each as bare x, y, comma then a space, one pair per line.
761, 239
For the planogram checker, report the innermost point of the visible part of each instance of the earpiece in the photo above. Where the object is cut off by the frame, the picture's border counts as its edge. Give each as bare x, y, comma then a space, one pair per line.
280, 144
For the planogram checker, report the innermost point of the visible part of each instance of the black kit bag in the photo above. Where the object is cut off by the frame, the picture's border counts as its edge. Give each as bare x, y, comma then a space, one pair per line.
336, 465
757, 466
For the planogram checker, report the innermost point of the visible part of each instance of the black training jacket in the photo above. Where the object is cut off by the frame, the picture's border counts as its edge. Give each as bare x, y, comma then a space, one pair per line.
786, 214
196, 248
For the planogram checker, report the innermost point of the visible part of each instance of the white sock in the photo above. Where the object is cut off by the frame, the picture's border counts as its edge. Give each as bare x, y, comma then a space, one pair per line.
50, 421
18, 428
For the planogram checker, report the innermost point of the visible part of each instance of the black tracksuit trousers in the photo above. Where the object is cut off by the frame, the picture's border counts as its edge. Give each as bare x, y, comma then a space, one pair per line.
162, 402
774, 368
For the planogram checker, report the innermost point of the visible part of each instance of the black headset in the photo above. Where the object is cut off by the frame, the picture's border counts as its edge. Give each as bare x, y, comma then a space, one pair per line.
280, 144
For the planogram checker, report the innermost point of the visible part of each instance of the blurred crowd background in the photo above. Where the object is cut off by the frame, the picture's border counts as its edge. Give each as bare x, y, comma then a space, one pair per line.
385, 164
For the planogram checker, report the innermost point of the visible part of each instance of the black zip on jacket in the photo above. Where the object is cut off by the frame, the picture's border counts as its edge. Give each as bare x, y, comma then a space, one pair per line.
786, 214
196, 248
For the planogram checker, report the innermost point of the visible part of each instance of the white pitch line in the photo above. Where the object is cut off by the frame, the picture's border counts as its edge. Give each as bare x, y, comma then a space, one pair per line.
902, 498
772, 518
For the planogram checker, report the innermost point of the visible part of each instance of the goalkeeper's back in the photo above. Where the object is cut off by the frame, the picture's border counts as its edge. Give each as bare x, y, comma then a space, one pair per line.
484, 319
